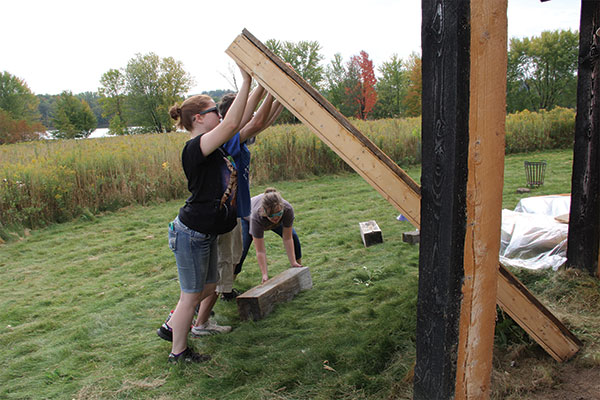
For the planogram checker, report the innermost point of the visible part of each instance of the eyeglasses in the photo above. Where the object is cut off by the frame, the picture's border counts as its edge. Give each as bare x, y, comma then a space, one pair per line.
212, 109
277, 214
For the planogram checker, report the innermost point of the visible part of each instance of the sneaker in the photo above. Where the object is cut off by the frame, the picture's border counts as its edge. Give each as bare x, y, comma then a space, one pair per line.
209, 328
165, 332
188, 356
231, 295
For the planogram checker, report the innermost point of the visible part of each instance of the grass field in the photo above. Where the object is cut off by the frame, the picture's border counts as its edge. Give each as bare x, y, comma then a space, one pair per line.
80, 303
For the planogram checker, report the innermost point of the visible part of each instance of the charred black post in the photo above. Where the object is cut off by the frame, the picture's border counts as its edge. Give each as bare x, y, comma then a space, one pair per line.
584, 221
445, 36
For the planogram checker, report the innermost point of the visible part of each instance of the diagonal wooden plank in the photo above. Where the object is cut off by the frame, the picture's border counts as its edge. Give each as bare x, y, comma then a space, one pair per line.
336, 131
387, 178
522, 306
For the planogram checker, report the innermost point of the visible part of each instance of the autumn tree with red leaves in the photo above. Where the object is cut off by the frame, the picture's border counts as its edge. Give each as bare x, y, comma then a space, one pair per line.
362, 93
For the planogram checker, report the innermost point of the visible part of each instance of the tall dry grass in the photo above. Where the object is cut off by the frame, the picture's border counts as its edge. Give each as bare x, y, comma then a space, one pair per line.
54, 181
543, 130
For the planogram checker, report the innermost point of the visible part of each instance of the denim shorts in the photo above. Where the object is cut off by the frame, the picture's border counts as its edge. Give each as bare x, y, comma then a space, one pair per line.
196, 256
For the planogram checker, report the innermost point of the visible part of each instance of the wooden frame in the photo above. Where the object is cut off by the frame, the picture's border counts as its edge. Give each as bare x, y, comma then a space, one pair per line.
405, 194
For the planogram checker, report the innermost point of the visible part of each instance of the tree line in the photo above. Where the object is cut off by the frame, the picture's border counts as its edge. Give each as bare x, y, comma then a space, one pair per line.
136, 98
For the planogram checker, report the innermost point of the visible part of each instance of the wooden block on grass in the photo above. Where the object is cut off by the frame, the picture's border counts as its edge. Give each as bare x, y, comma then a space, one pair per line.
411, 237
259, 301
370, 233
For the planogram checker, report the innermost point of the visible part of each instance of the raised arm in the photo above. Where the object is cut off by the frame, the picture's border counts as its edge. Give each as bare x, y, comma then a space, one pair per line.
275, 111
259, 121
253, 101
231, 123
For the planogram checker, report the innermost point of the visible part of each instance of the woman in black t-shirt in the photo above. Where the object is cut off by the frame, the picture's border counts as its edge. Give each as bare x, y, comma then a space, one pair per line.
209, 211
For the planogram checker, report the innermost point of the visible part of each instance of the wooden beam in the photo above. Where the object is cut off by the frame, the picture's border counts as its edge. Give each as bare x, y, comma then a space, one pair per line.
445, 38
534, 318
584, 221
487, 116
328, 124
259, 301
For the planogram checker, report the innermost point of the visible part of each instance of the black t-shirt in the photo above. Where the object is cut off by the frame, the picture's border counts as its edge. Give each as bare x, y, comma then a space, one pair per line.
208, 177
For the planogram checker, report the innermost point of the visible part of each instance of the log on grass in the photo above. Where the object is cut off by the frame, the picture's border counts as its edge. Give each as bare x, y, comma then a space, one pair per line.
259, 301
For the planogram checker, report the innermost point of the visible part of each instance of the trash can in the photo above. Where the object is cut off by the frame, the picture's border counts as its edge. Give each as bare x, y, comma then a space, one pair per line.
534, 172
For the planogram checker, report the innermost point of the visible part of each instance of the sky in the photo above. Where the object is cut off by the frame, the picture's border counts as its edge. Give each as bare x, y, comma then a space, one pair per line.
58, 45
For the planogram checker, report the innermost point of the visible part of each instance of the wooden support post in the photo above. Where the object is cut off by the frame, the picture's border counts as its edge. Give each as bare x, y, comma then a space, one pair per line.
393, 183
259, 301
584, 221
487, 115
445, 39
370, 233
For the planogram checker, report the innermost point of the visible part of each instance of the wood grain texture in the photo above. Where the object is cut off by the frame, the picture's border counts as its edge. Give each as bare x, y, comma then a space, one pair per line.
445, 38
584, 222
534, 318
259, 301
487, 105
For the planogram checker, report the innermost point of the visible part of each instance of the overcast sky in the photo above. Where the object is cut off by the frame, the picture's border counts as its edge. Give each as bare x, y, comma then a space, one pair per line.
57, 45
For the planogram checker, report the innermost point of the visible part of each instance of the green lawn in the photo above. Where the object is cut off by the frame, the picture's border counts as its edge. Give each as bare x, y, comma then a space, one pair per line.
80, 303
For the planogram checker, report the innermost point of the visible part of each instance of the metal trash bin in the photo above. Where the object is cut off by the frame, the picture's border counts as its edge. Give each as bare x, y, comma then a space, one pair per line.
534, 172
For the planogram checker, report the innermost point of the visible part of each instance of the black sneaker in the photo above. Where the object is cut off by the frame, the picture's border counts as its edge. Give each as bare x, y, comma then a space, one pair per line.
231, 295
164, 332
188, 356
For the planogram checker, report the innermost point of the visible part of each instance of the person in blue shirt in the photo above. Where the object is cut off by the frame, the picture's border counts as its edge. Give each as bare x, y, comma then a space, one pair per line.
230, 244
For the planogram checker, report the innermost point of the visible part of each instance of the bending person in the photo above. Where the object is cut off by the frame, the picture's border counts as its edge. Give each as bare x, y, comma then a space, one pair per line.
271, 212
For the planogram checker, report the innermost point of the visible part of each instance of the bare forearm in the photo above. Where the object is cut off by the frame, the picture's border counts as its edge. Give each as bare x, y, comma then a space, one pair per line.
288, 244
261, 258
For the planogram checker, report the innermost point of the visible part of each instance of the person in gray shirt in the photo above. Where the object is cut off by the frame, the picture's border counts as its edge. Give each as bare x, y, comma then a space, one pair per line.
271, 212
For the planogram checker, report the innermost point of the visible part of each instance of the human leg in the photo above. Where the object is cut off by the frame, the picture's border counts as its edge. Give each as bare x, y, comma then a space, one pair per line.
196, 257
229, 254
246, 241
182, 317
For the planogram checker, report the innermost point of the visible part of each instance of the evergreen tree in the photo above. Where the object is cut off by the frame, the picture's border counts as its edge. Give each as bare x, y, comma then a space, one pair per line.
391, 89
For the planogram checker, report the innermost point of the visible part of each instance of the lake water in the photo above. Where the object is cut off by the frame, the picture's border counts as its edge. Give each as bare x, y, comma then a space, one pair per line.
100, 132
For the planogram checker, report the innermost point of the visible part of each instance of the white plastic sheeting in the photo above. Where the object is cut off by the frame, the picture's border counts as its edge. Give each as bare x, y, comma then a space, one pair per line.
531, 236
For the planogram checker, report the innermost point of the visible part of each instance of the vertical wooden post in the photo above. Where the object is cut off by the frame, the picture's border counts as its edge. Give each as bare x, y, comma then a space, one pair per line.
464, 86
584, 221
484, 197
445, 40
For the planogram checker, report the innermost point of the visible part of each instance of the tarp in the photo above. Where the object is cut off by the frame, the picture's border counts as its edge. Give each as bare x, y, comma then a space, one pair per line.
531, 235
